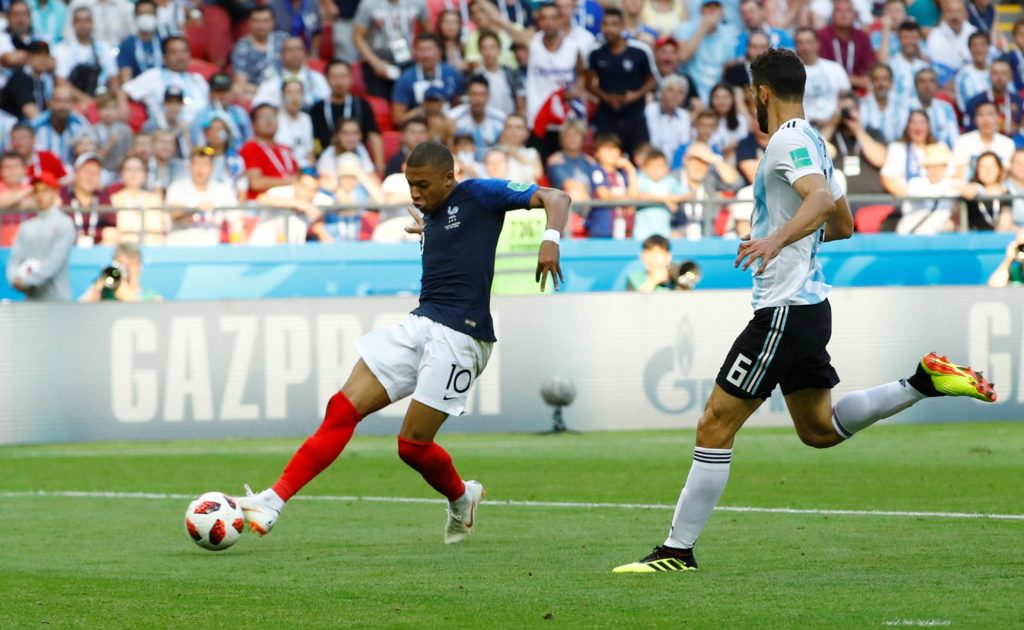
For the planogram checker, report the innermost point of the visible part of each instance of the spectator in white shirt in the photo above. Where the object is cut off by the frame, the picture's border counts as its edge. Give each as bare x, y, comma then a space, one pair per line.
667, 122
293, 67
294, 126
347, 139
475, 117
985, 138
826, 80
84, 62
201, 223
150, 86
904, 159
930, 215
947, 42
115, 19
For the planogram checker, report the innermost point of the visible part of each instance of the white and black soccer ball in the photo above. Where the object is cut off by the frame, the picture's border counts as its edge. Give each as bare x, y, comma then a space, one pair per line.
214, 521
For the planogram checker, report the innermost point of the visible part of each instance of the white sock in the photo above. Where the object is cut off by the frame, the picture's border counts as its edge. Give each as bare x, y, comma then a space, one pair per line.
463, 501
704, 484
858, 410
271, 497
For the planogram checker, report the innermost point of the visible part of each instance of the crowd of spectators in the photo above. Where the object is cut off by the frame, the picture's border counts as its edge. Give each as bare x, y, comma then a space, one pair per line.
254, 120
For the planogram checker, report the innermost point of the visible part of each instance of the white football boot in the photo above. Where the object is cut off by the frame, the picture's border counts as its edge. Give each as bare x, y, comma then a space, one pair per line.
462, 518
258, 512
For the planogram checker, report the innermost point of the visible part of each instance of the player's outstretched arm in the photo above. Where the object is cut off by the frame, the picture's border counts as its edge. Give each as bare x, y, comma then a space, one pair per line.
816, 209
556, 204
840, 224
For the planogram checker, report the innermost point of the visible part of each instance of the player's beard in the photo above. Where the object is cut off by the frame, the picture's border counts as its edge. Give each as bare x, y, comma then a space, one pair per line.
762, 113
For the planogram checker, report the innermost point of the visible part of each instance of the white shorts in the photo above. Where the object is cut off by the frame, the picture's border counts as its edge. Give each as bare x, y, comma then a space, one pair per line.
419, 356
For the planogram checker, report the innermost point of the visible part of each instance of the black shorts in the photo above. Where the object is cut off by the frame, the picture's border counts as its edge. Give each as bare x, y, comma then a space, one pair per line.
782, 345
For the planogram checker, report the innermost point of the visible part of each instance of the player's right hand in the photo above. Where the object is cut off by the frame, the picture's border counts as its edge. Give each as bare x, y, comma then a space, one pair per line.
417, 226
547, 263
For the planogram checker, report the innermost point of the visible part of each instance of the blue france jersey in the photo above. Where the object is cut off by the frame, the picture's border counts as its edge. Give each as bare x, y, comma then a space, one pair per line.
459, 239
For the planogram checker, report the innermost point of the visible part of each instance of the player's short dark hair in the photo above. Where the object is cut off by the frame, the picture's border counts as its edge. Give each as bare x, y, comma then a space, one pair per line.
976, 34
432, 154
478, 79
336, 62
782, 71
415, 120
657, 240
613, 12
909, 25
607, 139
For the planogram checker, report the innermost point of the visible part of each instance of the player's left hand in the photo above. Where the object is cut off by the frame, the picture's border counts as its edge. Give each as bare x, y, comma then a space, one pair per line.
547, 263
763, 249
417, 226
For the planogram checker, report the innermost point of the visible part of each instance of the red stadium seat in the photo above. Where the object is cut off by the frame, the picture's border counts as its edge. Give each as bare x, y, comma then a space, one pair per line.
317, 64
368, 223
326, 41
137, 116
869, 219
392, 143
381, 112
434, 8
204, 68
358, 83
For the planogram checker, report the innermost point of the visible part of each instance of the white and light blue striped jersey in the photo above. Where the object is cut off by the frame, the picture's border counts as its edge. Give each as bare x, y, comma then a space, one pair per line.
968, 83
795, 276
942, 117
889, 121
904, 88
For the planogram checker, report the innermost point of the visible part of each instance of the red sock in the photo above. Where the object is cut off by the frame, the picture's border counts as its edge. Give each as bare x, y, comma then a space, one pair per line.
435, 464
320, 449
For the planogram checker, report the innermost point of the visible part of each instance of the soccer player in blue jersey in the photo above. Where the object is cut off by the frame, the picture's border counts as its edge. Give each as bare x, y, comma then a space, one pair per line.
797, 206
439, 352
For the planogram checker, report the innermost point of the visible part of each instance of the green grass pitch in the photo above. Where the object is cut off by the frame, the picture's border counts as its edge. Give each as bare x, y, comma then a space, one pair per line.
127, 562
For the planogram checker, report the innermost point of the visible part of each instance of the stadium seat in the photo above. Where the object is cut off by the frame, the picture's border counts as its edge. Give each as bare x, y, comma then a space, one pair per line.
196, 36
381, 112
137, 116
368, 223
434, 8
392, 143
868, 220
358, 83
204, 68
317, 64
217, 38
326, 51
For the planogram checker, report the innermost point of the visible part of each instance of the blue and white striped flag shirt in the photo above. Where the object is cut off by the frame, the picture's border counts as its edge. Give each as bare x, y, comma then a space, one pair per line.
60, 144
970, 82
904, 72
889, 121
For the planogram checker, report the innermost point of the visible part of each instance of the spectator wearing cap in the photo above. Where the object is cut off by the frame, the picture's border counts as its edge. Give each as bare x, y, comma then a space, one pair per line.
267, 164
825, 79
985, 137
621, 74
941, 114
83, 198
294, 128
140, 51
83, 61
57, 128
23, 142
30, 87
947, 42
38, 263
475, 117
17, 37
294, 67
341, 104
505, 84
752, 15
1008, 102
706, 46
48, 18
222, 105
114, 19
198, 200
172, 120
414, 131
348, 139
150, 86
667, 122
847, 45
112, 136
928, 207
428, 72
907, 62
257, 56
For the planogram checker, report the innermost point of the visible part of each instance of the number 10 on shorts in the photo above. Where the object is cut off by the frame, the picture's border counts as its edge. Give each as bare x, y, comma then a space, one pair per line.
459, 380
739, 370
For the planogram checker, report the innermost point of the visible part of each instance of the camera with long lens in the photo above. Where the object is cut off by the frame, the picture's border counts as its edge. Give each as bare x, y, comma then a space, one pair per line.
684, 275
111, 279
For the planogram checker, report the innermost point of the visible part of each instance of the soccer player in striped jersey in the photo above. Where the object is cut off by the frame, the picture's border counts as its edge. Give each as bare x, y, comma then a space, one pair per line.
797, 206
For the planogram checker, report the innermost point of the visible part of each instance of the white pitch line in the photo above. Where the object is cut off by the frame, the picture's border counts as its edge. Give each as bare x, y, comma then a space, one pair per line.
513, 503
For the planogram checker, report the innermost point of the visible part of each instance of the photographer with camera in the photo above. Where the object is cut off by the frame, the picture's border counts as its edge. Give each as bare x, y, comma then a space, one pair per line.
122, 279
660, 273
1011, 270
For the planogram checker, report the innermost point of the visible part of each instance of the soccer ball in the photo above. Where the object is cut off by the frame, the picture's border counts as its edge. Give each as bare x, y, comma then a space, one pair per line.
214, 521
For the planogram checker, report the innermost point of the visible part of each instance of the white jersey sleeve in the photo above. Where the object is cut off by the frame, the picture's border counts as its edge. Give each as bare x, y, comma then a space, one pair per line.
798, 153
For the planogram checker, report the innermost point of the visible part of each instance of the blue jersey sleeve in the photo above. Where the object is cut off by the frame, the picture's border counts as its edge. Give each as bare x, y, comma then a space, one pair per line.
501, 195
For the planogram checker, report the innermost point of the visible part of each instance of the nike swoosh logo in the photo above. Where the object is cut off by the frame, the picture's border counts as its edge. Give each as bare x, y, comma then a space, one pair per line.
448, 397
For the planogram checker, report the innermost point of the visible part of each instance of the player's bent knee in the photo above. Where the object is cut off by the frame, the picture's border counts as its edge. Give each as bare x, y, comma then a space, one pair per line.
818, 439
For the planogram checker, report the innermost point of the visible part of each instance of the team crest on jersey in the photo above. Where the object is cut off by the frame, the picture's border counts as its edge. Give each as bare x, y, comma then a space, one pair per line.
453, 218
518, 186
627, 65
